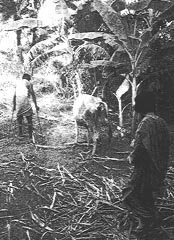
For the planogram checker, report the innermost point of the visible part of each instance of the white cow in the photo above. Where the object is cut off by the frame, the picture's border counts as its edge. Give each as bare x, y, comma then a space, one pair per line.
91, 112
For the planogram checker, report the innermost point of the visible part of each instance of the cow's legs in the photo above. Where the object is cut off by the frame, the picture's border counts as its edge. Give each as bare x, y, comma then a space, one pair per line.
90, 135
95, 140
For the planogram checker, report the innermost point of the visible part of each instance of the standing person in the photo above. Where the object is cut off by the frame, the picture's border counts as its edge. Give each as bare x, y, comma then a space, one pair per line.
21, 102
150, 157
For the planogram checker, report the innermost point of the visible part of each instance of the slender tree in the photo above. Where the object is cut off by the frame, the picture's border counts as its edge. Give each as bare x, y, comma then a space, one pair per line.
17, 10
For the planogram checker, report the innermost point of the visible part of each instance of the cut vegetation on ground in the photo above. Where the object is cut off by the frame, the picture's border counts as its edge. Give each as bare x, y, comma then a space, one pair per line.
51, 189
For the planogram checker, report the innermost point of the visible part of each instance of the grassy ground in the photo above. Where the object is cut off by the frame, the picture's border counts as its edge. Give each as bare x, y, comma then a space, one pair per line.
52, 189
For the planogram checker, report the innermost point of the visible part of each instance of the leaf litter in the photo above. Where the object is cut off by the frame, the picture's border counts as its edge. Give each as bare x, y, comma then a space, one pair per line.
42, 203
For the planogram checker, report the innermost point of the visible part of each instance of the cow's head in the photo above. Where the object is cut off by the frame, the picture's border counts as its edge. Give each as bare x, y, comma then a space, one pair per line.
102, 112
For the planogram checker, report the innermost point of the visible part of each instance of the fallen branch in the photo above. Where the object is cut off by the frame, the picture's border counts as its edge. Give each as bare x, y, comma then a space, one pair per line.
49, 118
50, 147
126, 152
111, 159
78, 144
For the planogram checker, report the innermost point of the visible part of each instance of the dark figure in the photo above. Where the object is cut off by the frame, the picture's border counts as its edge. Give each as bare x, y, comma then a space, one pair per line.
21, 103
150, 158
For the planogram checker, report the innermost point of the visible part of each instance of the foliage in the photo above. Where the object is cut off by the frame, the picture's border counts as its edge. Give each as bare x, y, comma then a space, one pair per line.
134, 34
17, 9
22, 23
123, 36
41, 51
57, 14
7, 9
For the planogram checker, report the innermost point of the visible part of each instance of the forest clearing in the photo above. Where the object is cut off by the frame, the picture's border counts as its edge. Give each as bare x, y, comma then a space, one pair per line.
53, 188
53, 158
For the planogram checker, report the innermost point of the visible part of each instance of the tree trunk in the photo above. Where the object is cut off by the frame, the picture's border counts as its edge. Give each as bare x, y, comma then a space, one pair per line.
134, 88
18, 39
120, 112
19, 47
34, 36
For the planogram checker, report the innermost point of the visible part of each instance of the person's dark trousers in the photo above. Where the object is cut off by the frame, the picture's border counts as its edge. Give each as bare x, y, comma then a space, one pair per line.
30, 124
20, 121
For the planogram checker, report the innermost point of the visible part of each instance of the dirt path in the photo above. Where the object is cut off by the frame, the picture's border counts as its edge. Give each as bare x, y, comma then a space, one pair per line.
58, 135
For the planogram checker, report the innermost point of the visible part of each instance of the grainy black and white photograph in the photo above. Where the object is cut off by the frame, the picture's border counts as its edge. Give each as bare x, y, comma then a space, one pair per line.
86, 119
